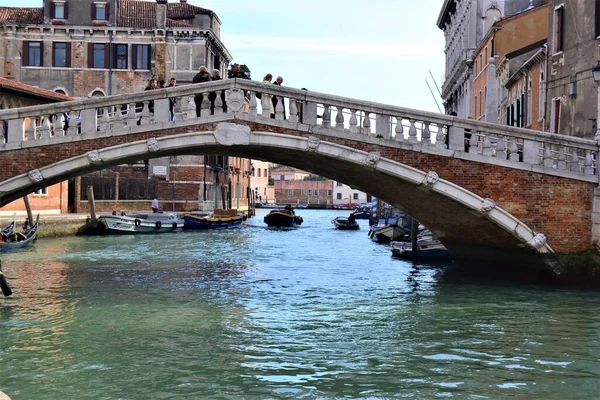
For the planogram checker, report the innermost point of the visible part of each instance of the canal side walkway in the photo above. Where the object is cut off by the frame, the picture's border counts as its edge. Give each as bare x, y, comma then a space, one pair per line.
51, 225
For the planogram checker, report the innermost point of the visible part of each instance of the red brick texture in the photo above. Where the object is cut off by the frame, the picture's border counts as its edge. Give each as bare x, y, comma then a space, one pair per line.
560, 208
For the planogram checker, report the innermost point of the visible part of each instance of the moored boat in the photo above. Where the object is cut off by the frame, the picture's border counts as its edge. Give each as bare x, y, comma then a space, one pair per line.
345, 224
141, 223
391, 229
17, 240
426, 248
9, 229
219, 219
362, 212
283, 218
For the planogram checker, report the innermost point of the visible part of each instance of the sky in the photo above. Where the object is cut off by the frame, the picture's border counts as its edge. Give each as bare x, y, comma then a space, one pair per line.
374, 50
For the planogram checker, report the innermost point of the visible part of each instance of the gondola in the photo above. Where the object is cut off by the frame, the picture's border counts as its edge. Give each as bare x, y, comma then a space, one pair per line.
345, 224
18, 240
6, 232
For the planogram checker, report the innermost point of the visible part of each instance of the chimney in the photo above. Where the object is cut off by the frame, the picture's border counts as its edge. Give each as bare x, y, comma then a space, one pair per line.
161, 14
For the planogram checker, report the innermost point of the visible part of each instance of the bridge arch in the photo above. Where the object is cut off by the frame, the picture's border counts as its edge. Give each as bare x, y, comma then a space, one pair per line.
469, 225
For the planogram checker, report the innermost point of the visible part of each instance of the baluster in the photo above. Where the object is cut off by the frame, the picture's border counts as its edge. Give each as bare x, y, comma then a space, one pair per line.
513, 151
72, 123
353, 122
500, 148
279, 109
253, 105
181, 108
3, 133
548, 161
131, 115
293, 111
43, 131
426, 134
104, 120
189, 108
145, 113
440, 136
205, 106
266, 105
219, 103
366, 125
487, 145
412, 132
399, 130
59, 125
339, 118
574, 164
474, 143
588, 165
118, 119
561, 159
326, 116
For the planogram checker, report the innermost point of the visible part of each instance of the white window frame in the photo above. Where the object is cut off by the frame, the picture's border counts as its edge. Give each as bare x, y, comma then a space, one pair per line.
41, 192
290, 192
555, 27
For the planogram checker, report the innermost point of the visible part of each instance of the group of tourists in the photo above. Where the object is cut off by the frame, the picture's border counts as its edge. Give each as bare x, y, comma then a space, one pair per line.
204, 75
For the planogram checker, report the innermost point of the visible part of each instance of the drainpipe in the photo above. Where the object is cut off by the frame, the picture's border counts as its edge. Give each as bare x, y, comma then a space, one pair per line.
545, 87
110, 61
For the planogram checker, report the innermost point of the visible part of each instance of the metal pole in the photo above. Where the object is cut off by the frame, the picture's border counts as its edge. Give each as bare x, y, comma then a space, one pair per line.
414, 231
92, 204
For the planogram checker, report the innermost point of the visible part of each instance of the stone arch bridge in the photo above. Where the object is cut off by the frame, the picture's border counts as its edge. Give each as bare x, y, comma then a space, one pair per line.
489, 192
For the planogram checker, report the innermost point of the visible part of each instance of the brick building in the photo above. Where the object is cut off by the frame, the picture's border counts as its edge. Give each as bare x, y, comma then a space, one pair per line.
87, 48
52, 199
304, 192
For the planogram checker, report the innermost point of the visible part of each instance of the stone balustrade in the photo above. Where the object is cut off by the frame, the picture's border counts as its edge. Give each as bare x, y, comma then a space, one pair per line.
309, 111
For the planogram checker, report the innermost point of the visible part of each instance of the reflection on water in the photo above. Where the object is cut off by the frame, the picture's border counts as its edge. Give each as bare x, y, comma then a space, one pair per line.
258, 313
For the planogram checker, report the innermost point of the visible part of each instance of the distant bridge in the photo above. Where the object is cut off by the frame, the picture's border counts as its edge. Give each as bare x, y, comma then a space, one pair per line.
489, 192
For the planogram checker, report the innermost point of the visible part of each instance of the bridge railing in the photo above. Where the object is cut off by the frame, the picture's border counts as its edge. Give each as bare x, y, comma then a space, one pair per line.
314, 112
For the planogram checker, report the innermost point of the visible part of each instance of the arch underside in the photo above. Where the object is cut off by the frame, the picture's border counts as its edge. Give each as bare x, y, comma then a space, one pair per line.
470, 228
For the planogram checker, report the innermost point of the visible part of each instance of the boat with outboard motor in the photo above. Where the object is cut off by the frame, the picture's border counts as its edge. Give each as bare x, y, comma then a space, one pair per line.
283, 218
17, 240
363, 212
345, 223
218, 219
428, 247
141, 222
389, 229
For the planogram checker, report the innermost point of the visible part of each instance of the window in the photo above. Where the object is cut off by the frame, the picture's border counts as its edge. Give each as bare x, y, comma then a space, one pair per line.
304, 192
42, 192
310, 192
281, 177
597, 25
355, 196
259, 173
316, 192
555, 115
32, 54
329, 192
480, 103
290, 192
61, 54
100, 11
339, 196
120, 56
475, 115
542, 97
339, 184
97, 55
59, 10
558, 28
529, 100
141, 56
265, 171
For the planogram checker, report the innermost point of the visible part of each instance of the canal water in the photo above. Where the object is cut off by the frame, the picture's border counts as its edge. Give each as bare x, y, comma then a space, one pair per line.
308, 313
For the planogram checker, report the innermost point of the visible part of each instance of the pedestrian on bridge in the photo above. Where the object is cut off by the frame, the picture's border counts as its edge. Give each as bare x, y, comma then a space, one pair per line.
274, 100
202, 76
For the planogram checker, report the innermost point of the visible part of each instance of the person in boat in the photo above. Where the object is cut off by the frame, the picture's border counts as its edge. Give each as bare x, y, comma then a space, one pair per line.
155, 205
289, 209
351, 219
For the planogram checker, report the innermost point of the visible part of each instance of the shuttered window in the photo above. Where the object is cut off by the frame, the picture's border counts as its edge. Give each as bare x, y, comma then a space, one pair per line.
59, 10
61, 54
120, 56
141, 56
98, 55
33, 55
558, 28
100, 11
597, 20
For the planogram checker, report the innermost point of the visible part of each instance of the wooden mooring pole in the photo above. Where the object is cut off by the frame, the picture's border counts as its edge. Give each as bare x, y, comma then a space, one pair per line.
28, 208
92, 204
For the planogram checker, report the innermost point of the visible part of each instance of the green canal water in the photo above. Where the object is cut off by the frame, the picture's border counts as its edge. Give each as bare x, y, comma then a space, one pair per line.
309, 313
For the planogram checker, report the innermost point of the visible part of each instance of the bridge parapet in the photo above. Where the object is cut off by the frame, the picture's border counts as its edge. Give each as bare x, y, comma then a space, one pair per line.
313, 112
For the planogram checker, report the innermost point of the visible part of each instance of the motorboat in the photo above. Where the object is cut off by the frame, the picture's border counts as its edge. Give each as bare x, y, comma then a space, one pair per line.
219, 219
362, 213
390, 229
345, 224
17, 240
283, 218
428, 247
141, 222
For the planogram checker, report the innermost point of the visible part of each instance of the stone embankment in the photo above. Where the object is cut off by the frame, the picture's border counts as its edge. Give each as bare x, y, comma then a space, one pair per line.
52, 225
